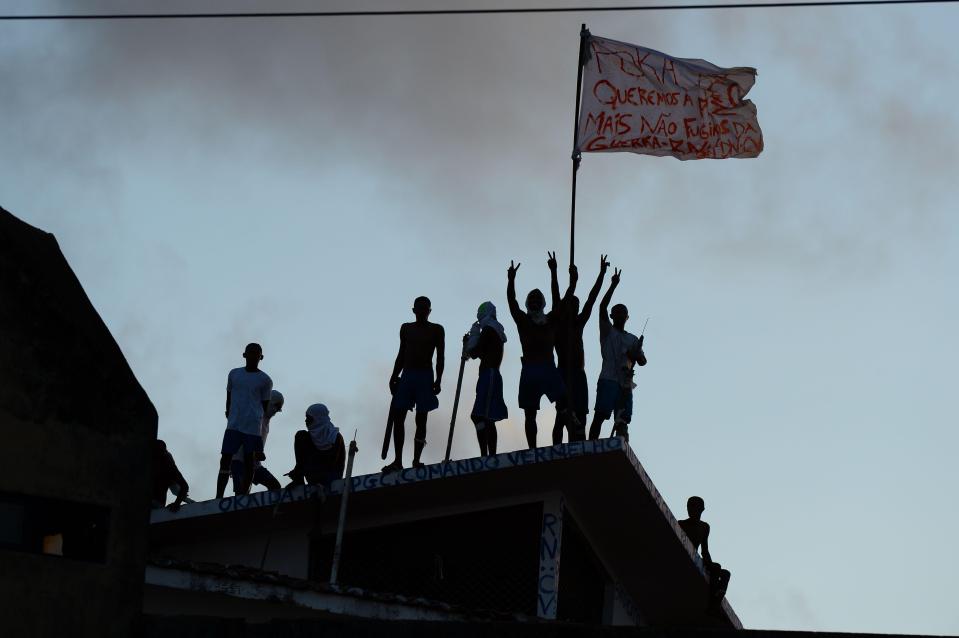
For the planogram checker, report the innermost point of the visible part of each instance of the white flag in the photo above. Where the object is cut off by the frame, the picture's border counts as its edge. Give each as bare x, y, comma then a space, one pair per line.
643, 101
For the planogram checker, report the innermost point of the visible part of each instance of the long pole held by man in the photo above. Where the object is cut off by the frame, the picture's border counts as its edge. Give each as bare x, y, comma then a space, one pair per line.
456, 401
576, 157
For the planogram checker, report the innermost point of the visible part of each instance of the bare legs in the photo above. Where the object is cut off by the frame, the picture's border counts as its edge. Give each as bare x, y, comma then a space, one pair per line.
399, 437
224, 474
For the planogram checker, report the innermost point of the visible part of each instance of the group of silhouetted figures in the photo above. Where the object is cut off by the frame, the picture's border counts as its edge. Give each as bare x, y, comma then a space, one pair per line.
320, 451
413, 383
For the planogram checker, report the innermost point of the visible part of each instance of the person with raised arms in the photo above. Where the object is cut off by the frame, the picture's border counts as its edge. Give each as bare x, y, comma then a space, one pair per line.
247, 400
537, 335
621, 352
569, 348
412, 383
485, 342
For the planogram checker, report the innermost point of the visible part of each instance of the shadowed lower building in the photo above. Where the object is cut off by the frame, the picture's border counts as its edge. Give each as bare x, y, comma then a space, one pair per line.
77, 427
574, 533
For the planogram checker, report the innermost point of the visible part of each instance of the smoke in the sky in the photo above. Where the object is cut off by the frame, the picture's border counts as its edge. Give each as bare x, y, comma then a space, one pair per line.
299, 182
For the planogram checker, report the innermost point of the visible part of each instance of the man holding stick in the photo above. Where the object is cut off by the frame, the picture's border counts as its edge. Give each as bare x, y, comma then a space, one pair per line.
485, 342
412, 383
621, 351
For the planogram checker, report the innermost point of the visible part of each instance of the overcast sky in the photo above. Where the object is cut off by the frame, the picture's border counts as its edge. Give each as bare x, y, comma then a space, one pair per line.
298, 182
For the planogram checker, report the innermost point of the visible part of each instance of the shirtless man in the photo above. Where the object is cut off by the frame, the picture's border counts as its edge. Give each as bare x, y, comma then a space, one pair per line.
569, 347
537, 335
415, 387
697, 530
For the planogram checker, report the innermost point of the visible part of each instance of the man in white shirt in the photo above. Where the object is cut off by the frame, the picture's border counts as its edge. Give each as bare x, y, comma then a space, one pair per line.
621, 351
247, 400
261, 475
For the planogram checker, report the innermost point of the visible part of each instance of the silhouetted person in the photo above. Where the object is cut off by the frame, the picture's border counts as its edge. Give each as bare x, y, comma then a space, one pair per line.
697, 530
261, 475
485, 342
415, 387
319, 450
537, 335
247, 399
166, 476
569, 348
621, 351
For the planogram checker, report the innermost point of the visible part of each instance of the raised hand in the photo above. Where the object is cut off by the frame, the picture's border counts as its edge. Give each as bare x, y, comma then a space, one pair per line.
511, 272
551, 262
616, 273
603, 264
641, 340
573, 273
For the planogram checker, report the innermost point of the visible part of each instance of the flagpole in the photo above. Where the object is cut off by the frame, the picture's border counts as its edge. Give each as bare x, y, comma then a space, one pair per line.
571, 320
583, 35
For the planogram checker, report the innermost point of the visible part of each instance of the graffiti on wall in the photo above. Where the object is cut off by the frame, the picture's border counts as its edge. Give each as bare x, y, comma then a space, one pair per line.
550, 543
432, 472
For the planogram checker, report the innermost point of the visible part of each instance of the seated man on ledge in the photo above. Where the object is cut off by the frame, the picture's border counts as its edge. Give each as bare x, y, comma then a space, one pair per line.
319, 450
697, 530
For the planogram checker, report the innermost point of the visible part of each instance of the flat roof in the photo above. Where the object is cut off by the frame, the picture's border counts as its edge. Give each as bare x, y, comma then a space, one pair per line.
604, 487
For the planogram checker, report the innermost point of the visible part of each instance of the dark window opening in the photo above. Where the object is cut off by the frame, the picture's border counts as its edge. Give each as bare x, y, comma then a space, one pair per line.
582, 583
54, 527
482, 560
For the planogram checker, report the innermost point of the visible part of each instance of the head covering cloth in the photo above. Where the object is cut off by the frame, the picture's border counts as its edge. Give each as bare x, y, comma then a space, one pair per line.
485, 318
321, 429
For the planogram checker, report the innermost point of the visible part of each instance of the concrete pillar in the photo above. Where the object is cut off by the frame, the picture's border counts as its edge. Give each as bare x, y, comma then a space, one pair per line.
550, 546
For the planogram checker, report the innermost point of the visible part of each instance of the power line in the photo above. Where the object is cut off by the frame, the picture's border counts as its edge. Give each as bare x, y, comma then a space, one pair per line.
437, 12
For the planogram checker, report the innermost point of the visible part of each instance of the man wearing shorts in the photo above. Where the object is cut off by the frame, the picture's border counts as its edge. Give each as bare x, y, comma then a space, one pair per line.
261, 475
537, 335
412, 383
621, 351
569, 348
247, 400
485, 342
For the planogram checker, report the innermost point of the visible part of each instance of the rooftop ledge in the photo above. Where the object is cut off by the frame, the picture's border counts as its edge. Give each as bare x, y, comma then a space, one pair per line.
602, 484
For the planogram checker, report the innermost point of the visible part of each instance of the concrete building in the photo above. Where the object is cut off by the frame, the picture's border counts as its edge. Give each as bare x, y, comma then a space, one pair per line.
574, 532
74, 490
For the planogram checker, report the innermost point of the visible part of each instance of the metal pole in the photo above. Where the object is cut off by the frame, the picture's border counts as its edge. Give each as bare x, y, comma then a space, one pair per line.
347, 484
583, 36
570, 319
456, 403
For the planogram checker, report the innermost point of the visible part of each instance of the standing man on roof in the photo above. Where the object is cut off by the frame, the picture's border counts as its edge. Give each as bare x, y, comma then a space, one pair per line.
261, 475
415, 387
247, 401
537, 335
485, 342
621, 351
569, 348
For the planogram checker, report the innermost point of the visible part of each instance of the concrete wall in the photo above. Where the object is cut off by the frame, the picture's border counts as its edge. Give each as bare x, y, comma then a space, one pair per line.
77, 427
